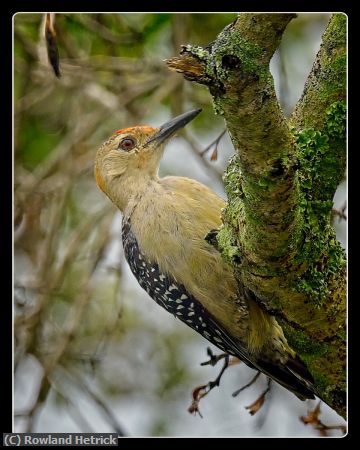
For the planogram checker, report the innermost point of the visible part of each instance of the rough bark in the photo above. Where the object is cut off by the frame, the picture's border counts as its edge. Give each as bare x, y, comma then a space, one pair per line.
277, 231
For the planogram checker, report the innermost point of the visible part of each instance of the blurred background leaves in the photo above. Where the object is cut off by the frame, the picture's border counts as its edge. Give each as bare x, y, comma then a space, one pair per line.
92, 351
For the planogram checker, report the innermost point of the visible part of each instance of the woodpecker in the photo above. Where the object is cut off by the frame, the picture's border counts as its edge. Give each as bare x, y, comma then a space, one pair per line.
165, 221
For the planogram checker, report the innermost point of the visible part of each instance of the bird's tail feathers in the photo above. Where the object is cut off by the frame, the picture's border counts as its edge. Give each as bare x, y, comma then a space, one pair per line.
293, 375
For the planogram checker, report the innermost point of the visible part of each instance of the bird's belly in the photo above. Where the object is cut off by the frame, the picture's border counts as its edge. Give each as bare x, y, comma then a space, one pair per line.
173, 296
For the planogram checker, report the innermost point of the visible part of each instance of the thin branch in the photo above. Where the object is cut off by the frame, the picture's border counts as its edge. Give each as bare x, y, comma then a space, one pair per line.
258, 403
313, 419
196, 149
203, 390
215, 143
118, 293
84, 386
74, 409
251, 382
106, 33
214, 359
107, 411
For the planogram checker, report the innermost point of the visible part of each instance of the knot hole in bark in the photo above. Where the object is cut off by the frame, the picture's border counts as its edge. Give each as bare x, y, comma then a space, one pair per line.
230, 62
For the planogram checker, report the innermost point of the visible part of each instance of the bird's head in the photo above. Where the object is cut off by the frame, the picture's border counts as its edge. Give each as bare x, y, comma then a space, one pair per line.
131, 157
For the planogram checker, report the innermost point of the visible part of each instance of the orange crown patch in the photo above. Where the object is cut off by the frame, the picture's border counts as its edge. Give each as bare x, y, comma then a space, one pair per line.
143, 129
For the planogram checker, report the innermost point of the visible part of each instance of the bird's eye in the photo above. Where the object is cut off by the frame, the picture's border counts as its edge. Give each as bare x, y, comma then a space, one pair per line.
127, 144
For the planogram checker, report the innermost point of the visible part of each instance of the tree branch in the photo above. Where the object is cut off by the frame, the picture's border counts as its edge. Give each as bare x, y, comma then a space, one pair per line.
277, 231
236, 69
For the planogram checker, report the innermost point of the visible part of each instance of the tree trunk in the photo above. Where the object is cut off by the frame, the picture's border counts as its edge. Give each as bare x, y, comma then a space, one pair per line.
277, 231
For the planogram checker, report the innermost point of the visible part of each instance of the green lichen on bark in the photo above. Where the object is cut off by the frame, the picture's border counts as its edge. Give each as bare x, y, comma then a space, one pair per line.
321, 170
322, 91
228, 245
319, 357
322, 154
227, 237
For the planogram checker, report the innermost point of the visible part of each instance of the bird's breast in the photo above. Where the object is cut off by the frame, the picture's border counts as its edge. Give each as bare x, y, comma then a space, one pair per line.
172, 295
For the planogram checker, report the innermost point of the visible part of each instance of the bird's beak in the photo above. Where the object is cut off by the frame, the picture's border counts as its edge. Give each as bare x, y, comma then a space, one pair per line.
172, 126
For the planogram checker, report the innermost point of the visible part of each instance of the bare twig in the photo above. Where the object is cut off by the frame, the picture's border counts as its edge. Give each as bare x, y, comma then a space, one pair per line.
106, 33
258, 403
217, 173
111, 327
107, 411
214, 143
251, 382
32, 98
214, 359
168, 87
73, 409
313, 419
203, 390
116, 65
85, 387
179, 35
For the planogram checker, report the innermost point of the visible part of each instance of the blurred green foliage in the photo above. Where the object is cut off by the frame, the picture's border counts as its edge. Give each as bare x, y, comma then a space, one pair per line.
93, 39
